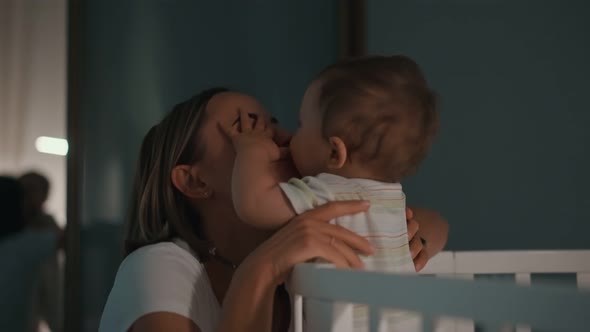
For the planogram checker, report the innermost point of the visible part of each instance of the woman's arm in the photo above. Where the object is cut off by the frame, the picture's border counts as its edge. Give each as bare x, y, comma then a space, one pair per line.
248, 304
164, 321
427, 233
433, 228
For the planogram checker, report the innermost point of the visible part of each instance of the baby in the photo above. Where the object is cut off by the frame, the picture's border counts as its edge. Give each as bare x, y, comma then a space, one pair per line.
364, 125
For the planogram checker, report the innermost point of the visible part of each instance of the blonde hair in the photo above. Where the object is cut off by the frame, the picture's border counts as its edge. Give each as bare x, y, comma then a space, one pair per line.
159, 212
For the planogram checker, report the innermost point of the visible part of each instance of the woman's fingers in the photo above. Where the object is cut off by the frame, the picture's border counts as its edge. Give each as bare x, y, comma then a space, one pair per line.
259, 122
246, 122
229, 131
310, 236
415, 247
413, 228
331, 253
409, 213
315, 239
337, 209
352, 258
346, 236
298, 248
421, 260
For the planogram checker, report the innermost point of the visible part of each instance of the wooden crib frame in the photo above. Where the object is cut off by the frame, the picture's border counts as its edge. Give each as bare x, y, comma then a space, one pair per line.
454, 293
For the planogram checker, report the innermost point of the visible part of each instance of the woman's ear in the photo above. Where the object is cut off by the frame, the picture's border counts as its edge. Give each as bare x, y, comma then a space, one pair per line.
186, 179
338, 153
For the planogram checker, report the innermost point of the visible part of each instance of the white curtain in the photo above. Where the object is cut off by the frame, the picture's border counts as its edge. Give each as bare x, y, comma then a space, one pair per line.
15, 37
33, 90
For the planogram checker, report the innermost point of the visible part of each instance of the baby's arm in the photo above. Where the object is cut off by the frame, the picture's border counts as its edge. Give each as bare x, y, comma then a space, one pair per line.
257, 196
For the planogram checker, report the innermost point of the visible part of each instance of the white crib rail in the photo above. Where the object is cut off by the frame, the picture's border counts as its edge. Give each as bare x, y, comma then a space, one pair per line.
467, 264
314, 281
520, 263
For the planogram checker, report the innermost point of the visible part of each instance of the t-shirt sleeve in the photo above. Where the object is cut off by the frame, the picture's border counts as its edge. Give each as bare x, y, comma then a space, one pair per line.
159, 278
305, 194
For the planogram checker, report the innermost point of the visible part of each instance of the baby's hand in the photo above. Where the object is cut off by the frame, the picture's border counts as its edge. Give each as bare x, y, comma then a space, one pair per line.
253, 133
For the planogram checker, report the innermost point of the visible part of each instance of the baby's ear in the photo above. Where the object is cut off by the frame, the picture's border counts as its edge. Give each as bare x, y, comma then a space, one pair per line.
338, 153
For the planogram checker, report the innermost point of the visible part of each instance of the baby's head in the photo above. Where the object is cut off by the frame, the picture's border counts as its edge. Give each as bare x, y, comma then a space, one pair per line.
371, 117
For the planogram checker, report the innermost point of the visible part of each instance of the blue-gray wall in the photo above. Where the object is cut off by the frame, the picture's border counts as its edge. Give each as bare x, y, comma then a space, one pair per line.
511, 166
142, 57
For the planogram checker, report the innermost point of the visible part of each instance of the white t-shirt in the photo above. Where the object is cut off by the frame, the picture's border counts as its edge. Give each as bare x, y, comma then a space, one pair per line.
163, 277
384, 224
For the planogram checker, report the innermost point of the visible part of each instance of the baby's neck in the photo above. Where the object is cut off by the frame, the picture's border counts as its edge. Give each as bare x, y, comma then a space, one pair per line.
352, 171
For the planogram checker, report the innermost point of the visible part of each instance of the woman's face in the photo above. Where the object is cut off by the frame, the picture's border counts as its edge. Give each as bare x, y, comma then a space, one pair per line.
215, 168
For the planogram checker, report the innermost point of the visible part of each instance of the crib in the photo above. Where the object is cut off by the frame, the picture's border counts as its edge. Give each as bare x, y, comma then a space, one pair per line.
447, 296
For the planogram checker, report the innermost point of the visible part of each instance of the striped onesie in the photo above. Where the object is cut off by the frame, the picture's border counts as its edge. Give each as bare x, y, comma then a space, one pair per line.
384, 225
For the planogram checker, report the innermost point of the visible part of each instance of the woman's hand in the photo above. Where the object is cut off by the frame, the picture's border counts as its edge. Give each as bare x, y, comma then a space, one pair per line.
249, 301
417, 248
309, 236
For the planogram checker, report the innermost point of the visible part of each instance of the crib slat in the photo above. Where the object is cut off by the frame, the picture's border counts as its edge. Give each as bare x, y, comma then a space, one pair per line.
463, 324
374, 318
428, 324
583, 280
342, 317
320, 316
523, 328
523, 279
445, 324
298, 313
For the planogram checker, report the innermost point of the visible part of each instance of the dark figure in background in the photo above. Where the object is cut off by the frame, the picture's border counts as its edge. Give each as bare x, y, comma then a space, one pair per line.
11, 207
23, 255
36, 190
46, 301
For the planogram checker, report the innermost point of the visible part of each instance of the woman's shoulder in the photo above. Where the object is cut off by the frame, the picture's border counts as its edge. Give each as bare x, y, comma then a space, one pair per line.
163, 277
173, 255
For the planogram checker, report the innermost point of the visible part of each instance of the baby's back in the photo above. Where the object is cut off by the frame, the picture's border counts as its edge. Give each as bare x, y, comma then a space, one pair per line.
384, 224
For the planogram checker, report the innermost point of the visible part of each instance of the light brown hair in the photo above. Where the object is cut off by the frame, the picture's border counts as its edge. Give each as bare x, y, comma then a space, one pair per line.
383, 110
159, 212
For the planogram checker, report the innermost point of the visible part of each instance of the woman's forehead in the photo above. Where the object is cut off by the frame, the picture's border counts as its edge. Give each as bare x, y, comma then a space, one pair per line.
227, 105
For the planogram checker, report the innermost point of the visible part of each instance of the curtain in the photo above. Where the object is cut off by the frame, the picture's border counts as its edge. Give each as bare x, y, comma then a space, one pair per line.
15, 35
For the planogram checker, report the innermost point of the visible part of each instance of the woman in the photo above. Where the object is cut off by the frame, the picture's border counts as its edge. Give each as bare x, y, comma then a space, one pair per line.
192, 265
